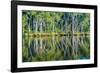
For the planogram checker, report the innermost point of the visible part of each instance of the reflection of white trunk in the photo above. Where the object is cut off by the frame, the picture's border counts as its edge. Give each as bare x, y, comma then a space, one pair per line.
30, 52
36, 44
76, 46
73, 45
41, 43
67, 49
53, 40
41, 47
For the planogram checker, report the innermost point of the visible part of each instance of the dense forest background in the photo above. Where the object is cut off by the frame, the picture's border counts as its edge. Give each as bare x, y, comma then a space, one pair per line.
55, 21
55, 35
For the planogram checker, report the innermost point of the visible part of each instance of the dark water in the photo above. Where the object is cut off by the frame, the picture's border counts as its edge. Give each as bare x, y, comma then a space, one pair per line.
56, 48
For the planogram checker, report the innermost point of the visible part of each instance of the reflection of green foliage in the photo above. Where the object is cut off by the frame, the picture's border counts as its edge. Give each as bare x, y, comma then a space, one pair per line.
25, 54
50, 55
85, 49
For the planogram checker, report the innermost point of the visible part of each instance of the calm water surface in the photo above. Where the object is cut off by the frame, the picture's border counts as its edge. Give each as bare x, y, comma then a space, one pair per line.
50, 48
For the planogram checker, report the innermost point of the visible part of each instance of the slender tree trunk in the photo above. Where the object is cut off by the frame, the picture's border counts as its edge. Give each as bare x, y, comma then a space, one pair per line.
73, 45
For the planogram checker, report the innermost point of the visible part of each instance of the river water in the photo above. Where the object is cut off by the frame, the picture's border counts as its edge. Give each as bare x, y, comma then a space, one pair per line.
54, 48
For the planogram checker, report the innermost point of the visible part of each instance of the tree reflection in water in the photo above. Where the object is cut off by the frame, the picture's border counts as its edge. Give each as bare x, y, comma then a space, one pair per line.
56, 48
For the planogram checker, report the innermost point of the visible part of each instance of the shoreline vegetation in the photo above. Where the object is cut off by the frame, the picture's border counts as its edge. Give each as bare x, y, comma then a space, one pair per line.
56, 34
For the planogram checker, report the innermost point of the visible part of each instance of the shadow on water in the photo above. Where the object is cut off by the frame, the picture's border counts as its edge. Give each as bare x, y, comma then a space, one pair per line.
56, 48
